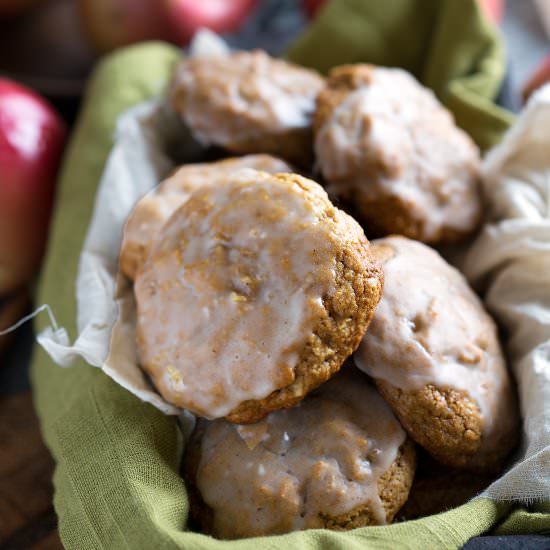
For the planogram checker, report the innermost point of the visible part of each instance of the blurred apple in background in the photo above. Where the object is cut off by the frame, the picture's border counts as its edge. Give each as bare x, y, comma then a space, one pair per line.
185, 17
540, 77
46, 51
31, 142
311, 7
113, 23
493, 10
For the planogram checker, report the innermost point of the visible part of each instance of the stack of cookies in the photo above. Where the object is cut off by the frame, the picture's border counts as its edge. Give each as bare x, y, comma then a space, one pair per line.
317, 362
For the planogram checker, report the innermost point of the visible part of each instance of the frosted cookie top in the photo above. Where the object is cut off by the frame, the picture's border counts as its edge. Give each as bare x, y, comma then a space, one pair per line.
385, 142
304, 467
151, 211
430, 328
244, 96
235, 286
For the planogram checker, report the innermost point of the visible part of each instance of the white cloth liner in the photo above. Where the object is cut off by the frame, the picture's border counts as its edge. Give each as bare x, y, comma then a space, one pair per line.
509, 261
147, 139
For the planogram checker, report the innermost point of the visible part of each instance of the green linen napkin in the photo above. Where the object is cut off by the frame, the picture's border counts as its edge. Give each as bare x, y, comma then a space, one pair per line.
116, 482
446, 44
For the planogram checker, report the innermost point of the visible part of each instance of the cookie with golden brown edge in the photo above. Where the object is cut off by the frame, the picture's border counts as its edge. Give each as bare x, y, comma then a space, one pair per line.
391, 151
434, 354
255, 293
248, 102
152, 210
339, 460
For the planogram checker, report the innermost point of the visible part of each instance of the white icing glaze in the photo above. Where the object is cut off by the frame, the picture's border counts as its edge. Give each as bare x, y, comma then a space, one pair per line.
152, 210
232, 291
393, 138
244, 96
430, 328
322, 458
142, 225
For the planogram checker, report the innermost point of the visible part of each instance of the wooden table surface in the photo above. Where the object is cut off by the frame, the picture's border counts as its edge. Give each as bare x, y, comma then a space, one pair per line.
27, 517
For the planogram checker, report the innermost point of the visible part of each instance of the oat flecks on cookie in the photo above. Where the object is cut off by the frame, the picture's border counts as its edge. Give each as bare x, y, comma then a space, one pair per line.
435, 356
154, 209
393, 154
340, 460
255, 292
248, 102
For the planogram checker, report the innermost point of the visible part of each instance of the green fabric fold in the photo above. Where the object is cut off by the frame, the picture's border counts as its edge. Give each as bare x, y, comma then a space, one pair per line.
117, 483
446, 44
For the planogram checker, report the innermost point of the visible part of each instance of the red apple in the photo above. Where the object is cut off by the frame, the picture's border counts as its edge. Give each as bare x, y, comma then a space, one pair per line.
312, 7
113, 23
540, 77
493, 10
31, 142
187, 16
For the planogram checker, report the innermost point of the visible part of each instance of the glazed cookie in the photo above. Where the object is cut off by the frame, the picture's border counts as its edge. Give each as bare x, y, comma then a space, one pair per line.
435, 356
392, 152
248, 102
254, 293
340, 460
152, 210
